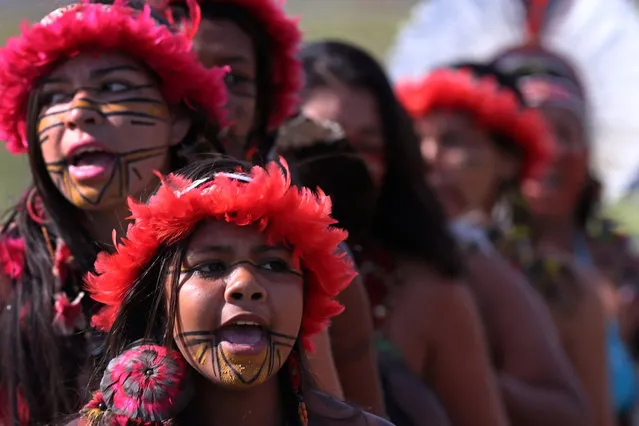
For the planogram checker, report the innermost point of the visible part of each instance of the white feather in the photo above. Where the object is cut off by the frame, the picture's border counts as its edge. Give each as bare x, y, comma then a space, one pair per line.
600, 37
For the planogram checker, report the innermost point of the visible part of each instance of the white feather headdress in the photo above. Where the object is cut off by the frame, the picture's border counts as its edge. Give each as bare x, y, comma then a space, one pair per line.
599, 37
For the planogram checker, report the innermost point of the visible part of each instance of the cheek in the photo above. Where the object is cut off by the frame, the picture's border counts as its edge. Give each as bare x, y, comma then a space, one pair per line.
287, 302
199, 305
242, 113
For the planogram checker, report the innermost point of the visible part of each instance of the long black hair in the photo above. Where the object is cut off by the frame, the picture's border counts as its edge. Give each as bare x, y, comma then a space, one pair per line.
44, 369
265, 97
408, 217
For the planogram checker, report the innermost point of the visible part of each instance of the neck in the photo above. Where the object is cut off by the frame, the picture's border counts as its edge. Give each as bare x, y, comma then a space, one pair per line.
256, 406
554, 231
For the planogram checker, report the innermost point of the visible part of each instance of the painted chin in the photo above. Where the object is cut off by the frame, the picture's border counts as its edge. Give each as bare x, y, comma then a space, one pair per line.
245, 358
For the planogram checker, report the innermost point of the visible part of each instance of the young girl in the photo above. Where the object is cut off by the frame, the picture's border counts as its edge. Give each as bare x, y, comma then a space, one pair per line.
97, 96
561, 203
249, 269
258, 41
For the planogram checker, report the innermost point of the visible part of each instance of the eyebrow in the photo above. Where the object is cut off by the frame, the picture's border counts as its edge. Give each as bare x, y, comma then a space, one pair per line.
229, 249
100, 72
235, 59
266, 248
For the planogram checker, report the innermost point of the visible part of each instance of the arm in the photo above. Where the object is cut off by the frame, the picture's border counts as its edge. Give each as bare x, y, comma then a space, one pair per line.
537, 381
323, 366
584, 336
354, 352
438, 330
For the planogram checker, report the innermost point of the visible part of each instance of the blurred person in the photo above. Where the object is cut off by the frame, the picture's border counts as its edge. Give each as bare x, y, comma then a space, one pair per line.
259, 43
97, 95
564, 199
426, 317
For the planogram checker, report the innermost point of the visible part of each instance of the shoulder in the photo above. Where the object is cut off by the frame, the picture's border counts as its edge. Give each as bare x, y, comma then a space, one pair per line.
423, 282
324, 410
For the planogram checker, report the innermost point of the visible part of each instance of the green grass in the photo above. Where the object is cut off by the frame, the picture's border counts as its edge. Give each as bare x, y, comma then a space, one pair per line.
369, 23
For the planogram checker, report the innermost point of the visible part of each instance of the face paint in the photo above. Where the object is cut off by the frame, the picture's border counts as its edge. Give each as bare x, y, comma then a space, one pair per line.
239, 304
103, 128
239, 368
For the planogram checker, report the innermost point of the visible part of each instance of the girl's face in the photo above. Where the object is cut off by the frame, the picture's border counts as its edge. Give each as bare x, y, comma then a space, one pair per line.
223, 43
103, 128
558, 188
465, 167
357, 112
240, 304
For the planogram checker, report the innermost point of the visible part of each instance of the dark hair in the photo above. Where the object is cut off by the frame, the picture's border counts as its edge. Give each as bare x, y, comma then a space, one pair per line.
408, 217
143, 314
336, 169
47, 370
239, 15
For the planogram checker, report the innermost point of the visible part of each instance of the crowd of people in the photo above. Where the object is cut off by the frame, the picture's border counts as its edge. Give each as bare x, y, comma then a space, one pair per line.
422, 251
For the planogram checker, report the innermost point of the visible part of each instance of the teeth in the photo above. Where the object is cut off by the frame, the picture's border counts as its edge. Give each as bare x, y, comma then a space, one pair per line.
87, 150
246, 323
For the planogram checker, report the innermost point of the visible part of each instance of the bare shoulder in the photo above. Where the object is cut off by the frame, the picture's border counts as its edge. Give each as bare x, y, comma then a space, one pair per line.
424, 282
324, 410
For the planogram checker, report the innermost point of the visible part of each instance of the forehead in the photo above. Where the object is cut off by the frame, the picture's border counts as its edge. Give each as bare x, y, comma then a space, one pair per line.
218, 40
348, 106
84, 64
445, 120
213, 232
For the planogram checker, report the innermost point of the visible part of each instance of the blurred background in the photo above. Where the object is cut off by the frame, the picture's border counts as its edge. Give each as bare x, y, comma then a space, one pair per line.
369, 23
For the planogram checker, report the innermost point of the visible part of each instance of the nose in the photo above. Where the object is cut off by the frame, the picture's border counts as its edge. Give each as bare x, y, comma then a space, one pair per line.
429, 150
243, 286
82, 112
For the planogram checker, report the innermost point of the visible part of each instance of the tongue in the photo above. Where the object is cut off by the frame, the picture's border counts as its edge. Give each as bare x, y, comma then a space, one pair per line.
242, 335
99, 159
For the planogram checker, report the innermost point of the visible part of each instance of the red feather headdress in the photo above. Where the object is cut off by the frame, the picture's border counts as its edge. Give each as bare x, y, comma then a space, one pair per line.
494, 108
93, 27
296, 217
284, 40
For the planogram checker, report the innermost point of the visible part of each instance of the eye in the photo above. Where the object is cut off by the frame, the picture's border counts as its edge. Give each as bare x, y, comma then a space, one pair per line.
239, 83
276, 265
53, 98
210, 269
115, 87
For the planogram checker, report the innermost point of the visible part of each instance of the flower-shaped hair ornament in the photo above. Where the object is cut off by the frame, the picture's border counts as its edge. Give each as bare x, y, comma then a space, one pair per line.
146, 384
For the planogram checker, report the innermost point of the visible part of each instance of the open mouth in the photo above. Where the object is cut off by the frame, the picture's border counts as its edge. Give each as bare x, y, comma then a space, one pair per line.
243, 337
90, 163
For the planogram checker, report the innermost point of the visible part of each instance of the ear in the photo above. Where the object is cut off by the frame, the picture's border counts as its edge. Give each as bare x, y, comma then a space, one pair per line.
180, 126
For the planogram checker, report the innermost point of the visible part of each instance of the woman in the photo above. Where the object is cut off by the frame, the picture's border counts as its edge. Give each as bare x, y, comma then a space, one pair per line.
260, 42
97, 96
223, 340
346, 85
408, 260
563, 200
